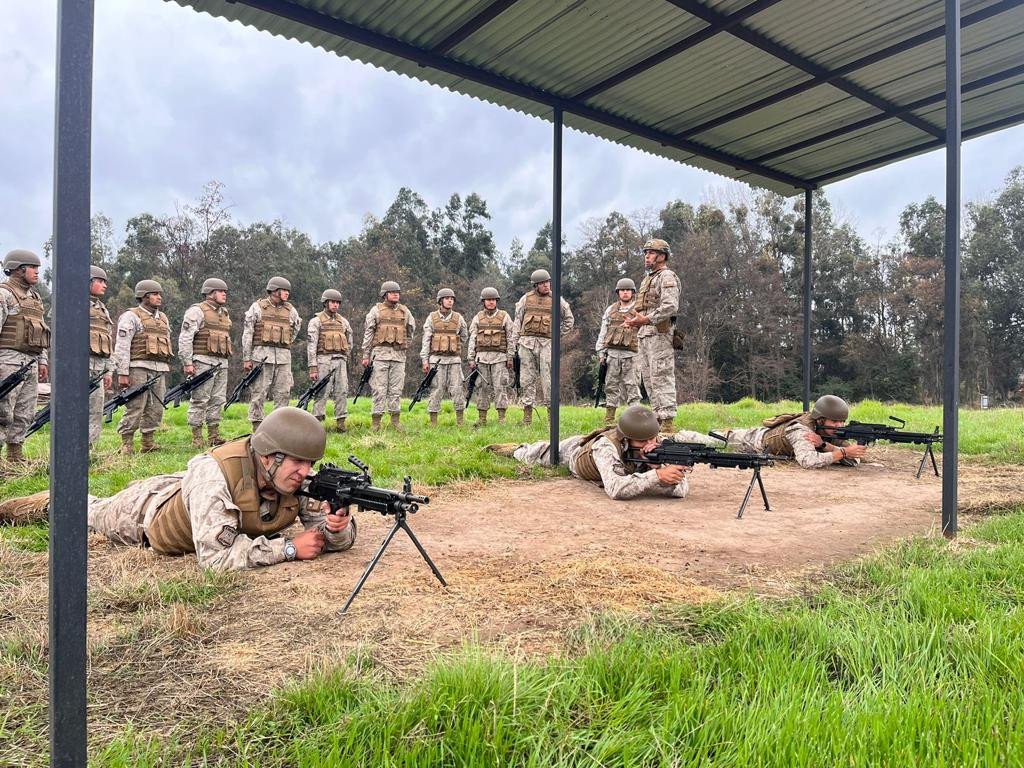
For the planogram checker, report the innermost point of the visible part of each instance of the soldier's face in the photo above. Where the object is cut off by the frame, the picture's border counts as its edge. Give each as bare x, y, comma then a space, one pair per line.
392, 297
291, 474
219, 297
97, 287
490, 304
644, 446
448, 302
544, 288
283, 295
651, 258
153, 299
625, 295
828, 426
333, 306
31, 274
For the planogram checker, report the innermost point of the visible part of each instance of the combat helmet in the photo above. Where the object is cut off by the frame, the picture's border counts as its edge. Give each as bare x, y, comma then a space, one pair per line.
625, 284
290, 431
147, 286
212, 284
390, 286
445, 293
830, 407
659, 245
638, 422
97, 273
539, 276
278, 283
330, 295
489, 293
20, 257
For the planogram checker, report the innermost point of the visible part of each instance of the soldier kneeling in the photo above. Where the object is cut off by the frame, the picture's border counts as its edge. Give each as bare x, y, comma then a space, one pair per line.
227, 505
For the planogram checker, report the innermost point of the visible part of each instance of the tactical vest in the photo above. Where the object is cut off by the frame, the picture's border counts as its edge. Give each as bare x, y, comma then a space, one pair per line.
274, 328
490, 334
618, 335
100, 326
26, 331
537, 315
775, 441
153, 342
648, 298
586, 468
332, 339
170, 530
214, 338
391, 327
445, 339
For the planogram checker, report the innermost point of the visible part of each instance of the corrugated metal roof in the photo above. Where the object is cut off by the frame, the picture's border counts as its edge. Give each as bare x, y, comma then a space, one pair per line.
791, 93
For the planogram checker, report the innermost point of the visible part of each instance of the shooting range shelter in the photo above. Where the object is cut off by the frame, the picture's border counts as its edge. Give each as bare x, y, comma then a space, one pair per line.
788, 95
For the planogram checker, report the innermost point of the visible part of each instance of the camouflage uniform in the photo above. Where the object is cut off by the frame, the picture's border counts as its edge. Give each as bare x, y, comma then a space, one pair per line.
325, 360
658, 299
618, 345
145, 412
388, 377
492, 359
19, 407
125, 518
448, 381
275, 379
206, 403
533, 341
620, 479
101, 345
753, 441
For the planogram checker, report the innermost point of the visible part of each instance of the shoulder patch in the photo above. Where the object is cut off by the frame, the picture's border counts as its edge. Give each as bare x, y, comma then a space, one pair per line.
227, 536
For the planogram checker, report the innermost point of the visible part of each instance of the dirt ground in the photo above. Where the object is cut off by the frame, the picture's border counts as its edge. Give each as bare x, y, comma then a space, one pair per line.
526, 562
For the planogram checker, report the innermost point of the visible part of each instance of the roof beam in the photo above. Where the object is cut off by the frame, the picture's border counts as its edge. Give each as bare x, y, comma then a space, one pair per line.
428, 58
927, 101
970, 133
676, 48
485, 16
794, 59
882, 54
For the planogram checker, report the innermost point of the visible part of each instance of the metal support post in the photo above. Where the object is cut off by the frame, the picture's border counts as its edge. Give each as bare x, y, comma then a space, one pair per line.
951, 320
69, 371
556, 283
808, 287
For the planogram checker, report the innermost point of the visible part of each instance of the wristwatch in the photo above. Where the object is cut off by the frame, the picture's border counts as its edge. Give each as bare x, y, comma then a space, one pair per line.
289, 550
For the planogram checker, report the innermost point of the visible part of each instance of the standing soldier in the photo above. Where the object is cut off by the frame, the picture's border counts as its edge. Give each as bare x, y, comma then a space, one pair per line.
204, 343
329, 341
270, 325
24, 338
656, 307
617, 346
444, 333
389, 328
143, 349
101, 345
491, 350
533, 336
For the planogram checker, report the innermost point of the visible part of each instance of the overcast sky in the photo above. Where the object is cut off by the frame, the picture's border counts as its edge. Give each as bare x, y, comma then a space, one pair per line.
298, 134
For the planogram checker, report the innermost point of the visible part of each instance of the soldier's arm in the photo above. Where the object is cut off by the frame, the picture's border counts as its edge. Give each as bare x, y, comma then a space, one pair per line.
474, 329
510, 337
804, 451
348, 332
312, 515
312, 337
369, 326
517, 322
428, 334
620, 484
668, 306
463, 329
296, 322
127, 326
5, 296
190, 325
410, 322
599, 347
568, 321
248, 326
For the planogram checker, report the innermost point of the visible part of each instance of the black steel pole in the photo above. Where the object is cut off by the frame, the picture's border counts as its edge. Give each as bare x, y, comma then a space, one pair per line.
808, 287
951, 320
556, 282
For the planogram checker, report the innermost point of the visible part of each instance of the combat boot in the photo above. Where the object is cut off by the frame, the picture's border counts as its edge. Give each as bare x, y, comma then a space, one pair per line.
433, 419
197, 437
375, 426
396, 424
609, 415
460, 418
14, 454
527, 415
666, 426
503, 449
501, 415
255, 425
25, 509
128, 443
213, 435
341, 424
148, 443
481, 419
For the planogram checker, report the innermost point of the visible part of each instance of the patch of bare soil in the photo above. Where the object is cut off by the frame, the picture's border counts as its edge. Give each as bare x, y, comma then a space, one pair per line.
525, 562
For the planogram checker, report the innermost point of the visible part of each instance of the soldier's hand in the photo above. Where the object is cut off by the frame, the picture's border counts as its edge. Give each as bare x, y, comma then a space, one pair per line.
247, 365
44, 372
108, 383
855, 451
308, 544
510, 364
671, 474
190, 370
337, 522
426, 367
472, 365
122, 381
636, 320
313, 374
365, 362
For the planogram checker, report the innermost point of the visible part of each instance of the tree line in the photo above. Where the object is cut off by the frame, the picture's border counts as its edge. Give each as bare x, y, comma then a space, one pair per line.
878, 308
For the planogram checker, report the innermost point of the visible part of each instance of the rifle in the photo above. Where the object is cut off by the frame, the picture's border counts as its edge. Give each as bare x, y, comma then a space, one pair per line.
244, 384
12, 382
864, 433
43, 415
688, 454
471, 384
363, 381
424, 386
342, 488
314, 391
602, 376
189, 385
517, 366
125, 396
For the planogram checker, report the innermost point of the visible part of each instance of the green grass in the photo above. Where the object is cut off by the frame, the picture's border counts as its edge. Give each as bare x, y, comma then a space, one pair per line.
915, 657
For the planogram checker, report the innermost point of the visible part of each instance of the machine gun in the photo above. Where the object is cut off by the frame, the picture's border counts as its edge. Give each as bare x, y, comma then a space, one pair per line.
363, 381
342, 488
188, 386
602, 377
125, 396
314, 391
12, 382
424, 386
864, 433
471, 384
688, 454
43, 415
244, 384
517, 368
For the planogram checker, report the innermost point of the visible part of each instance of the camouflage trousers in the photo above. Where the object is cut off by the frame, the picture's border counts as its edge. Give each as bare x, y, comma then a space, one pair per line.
540, 452
492, 384
146, 411
621, 385
96, 399
207, 401
275, 381
447, 384
122, 517
386, 384
657, 361
534, 369
337, 390
19, 407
